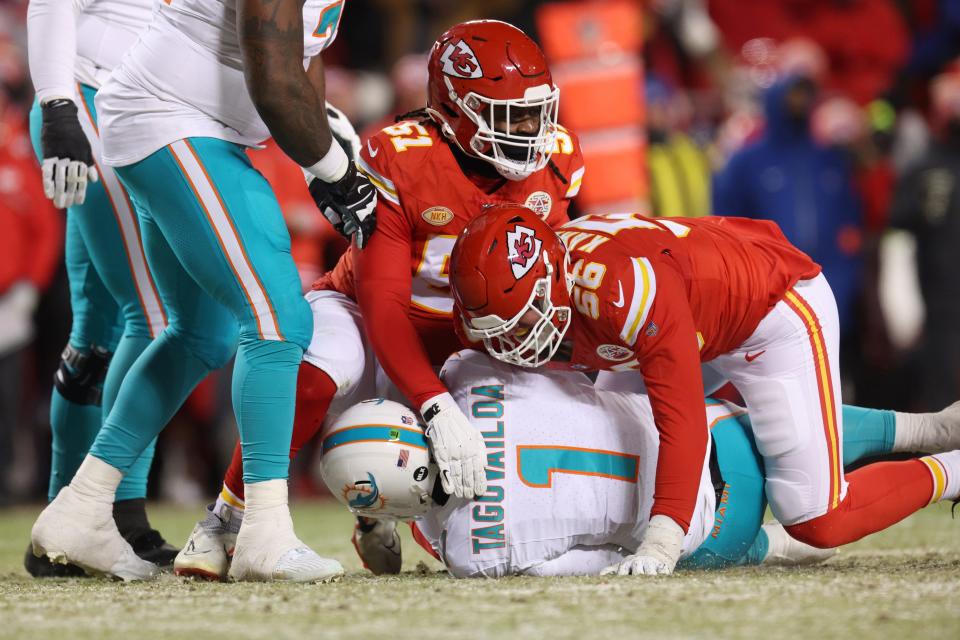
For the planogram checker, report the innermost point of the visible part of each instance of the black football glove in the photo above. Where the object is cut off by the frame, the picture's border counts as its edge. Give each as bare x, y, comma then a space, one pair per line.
349, 204
67, 159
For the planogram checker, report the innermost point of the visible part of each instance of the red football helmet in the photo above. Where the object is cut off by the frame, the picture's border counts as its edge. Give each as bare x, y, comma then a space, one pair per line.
509, 272
483, 76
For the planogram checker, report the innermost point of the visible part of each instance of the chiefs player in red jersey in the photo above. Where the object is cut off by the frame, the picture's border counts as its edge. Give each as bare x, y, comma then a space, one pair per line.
627, 293
489, 135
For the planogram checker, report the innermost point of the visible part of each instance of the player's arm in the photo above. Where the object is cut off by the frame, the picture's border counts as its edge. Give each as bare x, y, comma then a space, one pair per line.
67, 160
383, 288
290, 100
667, 348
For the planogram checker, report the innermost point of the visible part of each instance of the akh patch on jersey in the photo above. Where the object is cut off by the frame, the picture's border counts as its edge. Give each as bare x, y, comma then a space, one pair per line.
540, 203
614, 352
523, 249
437, 216
364, 495
460, 61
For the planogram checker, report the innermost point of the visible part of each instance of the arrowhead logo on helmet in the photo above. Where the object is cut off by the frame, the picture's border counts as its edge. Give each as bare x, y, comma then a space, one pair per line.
523, 249
460, 61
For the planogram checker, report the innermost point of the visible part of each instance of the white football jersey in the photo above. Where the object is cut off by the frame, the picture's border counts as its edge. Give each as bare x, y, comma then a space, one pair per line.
92, 35
570, 468
184, 78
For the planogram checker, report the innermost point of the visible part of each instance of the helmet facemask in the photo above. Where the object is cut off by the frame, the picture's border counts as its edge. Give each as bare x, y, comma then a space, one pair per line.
514, 155
525, 346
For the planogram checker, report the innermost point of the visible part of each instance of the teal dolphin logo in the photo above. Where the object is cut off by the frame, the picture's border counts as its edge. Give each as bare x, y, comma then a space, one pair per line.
367, 493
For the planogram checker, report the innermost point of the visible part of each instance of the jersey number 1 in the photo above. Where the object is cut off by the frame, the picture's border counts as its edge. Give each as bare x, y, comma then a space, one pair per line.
537, 464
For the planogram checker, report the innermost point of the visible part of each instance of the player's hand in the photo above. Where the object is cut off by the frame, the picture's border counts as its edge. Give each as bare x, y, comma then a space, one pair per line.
67, 163
378, 545
457, 447
348, 203
657, 554
343, 132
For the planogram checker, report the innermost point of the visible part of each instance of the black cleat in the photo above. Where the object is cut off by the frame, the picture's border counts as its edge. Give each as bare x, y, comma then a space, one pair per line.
151, 546
42, 567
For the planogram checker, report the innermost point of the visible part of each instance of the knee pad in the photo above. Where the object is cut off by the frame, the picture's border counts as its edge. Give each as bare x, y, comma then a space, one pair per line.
79, 378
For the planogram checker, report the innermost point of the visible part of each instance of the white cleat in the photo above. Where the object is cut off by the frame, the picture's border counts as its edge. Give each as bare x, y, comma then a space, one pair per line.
79, 530
208, 550
785, 551
267, 548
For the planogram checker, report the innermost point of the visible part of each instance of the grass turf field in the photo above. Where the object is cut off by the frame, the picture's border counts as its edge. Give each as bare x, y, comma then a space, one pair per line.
904, 582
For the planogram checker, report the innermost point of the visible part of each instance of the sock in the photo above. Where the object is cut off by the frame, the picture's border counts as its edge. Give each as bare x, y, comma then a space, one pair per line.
159, 383
315, 392
131, 517
928, 432
134, 483
74, 427
228, 500
264, 396
945, 471
878, 496
866, 433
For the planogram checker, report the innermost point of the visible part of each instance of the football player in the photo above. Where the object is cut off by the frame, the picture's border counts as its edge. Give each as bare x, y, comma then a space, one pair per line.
205, 80
658, 297
489, 135
73, 46
570, 478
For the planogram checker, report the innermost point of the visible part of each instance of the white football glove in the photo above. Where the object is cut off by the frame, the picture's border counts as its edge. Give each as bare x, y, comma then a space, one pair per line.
342, 129
657, 554
458, 448
378, 545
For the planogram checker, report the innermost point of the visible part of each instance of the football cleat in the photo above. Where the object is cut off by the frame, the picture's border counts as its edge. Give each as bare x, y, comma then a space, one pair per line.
42, 567
267, 549
378, 545
208, 550
946, 429
785, 551
80, 530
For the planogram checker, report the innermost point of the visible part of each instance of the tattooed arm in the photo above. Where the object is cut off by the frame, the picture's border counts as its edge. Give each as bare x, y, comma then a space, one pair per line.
289, 100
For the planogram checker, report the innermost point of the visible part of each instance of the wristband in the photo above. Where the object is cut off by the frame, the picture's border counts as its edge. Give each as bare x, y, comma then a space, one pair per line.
332, 166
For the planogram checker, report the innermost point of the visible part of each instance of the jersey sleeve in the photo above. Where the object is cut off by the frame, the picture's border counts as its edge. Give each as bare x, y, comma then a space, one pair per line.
52, 46
568, 160
658, 325
383, 289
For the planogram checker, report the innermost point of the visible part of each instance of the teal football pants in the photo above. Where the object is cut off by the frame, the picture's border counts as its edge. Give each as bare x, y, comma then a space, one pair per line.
737, 537
115, 308
218, 246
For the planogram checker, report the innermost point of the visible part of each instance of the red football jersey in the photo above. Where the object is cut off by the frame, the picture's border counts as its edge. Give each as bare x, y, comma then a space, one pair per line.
660, 297
401, 279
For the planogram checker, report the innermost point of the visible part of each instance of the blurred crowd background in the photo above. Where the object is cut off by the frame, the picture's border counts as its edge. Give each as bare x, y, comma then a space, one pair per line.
838, 119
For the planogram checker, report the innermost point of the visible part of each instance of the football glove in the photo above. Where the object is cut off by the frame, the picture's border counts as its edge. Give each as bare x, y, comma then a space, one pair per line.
458, 448
378, 545
343, 131
349, 204
67, 163
657, 554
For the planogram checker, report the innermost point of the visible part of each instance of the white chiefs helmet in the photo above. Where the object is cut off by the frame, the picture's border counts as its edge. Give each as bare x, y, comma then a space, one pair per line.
376, 461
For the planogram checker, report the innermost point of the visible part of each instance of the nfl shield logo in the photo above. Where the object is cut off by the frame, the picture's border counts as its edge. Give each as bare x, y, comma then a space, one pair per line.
540, 203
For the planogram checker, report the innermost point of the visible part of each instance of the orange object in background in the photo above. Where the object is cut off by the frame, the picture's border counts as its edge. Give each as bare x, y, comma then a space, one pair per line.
314, 244
594, 49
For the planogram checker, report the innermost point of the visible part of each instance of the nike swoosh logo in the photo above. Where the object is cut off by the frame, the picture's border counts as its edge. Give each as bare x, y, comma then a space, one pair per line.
619, 303
750, 357
373, 154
